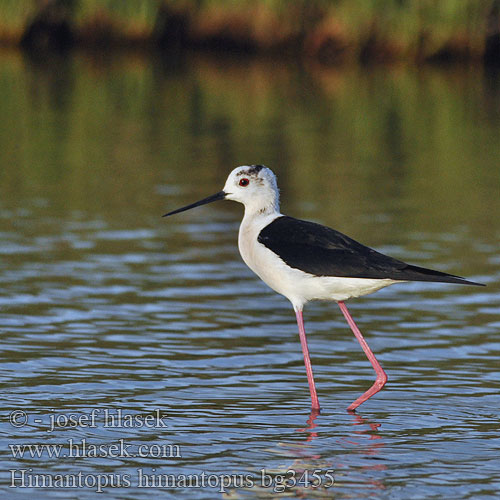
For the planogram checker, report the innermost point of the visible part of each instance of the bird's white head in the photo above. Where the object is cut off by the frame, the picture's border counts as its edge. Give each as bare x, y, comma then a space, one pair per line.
255, 186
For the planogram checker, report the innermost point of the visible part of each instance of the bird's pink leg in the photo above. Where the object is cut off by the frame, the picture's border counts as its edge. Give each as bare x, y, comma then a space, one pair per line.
381, 376
307, 360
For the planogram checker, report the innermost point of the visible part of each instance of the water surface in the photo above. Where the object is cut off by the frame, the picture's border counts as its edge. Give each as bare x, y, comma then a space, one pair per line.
109, 312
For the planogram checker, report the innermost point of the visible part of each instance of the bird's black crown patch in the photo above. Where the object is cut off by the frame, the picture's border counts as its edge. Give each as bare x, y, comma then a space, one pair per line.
252, 170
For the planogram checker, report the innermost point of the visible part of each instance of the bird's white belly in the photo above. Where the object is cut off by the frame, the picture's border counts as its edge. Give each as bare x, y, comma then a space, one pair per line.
300, 287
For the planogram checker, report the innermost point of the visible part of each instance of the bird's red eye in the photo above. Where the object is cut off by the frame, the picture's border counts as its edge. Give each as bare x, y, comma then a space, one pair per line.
244, 182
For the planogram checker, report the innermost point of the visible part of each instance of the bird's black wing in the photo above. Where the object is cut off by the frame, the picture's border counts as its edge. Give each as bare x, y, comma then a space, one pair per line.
322, 251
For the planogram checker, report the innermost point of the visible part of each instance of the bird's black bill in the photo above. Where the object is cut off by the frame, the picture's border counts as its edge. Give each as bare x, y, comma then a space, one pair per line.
218, 196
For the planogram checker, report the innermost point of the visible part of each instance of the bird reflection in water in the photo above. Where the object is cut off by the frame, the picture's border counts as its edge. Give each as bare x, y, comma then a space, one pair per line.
346, 473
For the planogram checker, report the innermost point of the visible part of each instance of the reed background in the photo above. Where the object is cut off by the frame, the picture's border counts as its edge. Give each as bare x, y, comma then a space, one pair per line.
331, 31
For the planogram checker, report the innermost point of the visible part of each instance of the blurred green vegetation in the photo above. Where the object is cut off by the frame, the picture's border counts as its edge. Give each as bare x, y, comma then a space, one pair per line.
98, 136
330, 30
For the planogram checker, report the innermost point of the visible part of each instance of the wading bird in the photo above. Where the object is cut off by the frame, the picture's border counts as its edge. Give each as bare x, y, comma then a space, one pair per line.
307, 261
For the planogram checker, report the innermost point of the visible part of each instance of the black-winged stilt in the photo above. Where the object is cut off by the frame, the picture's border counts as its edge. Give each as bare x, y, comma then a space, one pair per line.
306, 261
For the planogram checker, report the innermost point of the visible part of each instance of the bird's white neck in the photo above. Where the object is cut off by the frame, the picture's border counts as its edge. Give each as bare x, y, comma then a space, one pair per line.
262, 206
258, 210
251, 225
254, 220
